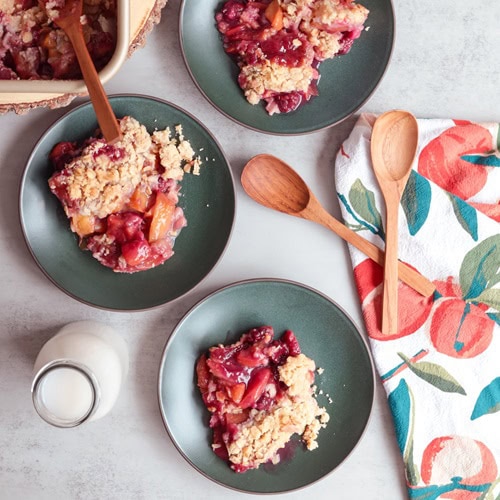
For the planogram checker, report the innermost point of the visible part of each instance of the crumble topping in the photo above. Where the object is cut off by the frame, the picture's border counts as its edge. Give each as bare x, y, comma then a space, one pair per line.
101, 180
260, 393
52, 8
122, 198
273, 77
259, 438
337, 12
298, 374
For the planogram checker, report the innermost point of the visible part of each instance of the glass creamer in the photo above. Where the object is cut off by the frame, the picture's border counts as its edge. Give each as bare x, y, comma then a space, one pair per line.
78, 373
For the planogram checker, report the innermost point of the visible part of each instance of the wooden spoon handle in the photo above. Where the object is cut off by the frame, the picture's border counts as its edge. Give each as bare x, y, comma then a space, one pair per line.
390, 292
105, 116
411, 277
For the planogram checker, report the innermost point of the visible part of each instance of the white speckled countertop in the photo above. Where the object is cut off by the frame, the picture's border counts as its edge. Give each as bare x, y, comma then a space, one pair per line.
443, 65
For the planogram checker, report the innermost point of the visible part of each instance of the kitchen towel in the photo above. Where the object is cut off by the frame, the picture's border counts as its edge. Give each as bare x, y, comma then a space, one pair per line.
441, 371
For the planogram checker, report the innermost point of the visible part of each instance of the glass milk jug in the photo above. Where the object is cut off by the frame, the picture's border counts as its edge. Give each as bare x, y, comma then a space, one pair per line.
78, 373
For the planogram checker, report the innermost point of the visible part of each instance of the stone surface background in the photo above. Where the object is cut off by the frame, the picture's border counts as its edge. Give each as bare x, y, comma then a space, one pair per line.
444, 65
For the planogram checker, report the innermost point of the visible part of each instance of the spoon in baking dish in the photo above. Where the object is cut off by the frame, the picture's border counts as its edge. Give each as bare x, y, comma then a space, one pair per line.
66, 14
274, 184
393, 147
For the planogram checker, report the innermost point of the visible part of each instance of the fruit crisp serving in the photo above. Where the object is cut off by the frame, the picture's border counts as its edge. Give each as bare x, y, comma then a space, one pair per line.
32, 47
260, 393
279, 44
121, 199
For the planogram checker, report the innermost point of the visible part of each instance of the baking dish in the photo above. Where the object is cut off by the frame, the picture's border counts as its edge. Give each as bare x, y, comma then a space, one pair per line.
78, 86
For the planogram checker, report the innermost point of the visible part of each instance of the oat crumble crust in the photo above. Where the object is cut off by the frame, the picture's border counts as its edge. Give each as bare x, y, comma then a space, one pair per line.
98, 184
264, 433
274, 77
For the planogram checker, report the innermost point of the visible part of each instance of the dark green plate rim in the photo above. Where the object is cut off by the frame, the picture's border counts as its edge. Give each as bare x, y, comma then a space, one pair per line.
186, 345
147, 289
346, 84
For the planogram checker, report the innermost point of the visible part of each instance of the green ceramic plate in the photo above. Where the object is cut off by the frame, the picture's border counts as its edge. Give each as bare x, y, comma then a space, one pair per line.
345, 85
208, 201
326, 334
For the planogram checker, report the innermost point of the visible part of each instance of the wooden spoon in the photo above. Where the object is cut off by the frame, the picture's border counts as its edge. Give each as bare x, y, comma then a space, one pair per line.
274, 184
68, 19
393, 147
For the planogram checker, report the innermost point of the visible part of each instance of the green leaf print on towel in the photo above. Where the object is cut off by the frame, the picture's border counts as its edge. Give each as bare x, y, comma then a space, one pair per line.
434, 374
401, 401
466, 215
488, 401
416, 201
491, 160
480, 272
494, 316
361, 206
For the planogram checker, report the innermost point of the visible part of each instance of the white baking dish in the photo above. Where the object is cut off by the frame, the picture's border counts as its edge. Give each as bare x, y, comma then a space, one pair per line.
78, 86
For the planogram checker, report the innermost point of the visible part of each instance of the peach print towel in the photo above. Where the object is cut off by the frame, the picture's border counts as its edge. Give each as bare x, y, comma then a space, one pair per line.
441, 372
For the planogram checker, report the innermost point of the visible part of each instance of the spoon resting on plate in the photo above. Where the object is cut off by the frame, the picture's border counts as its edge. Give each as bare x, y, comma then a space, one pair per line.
274, 184
393, 148
66, 14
